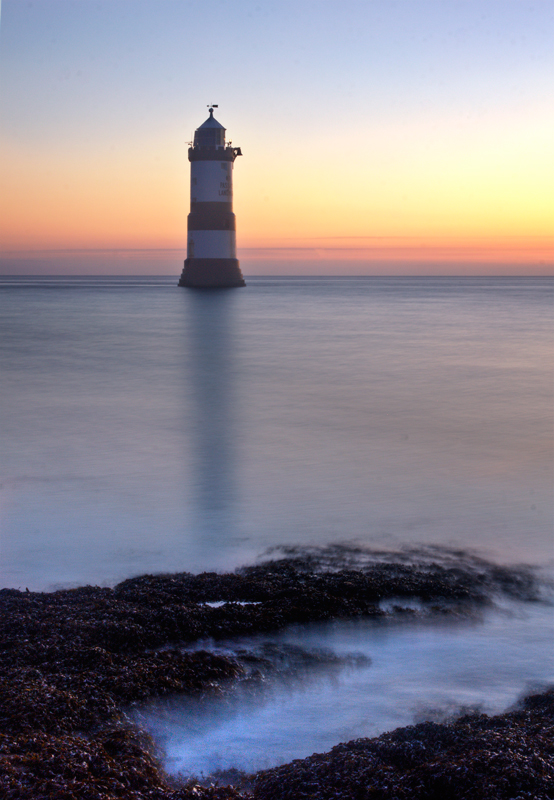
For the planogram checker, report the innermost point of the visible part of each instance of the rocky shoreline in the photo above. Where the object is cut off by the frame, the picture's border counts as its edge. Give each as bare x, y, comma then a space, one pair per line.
74, 662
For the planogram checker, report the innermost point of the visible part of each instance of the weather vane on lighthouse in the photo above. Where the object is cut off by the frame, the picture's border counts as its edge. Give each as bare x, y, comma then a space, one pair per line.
211, 261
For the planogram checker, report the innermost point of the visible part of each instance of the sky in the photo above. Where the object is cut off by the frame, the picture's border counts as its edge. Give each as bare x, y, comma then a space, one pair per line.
379, 136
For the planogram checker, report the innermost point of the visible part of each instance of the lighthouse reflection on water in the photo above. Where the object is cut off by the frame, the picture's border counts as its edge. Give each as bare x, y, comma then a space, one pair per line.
212, 419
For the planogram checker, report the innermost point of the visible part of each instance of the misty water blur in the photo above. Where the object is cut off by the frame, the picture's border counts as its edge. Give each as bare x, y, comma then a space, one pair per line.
410, 672
148, 428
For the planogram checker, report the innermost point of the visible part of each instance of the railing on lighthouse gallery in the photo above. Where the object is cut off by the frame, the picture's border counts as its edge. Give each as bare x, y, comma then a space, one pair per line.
211, 261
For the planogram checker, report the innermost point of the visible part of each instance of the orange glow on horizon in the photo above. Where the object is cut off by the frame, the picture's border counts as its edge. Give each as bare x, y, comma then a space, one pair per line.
392, 206
516, 250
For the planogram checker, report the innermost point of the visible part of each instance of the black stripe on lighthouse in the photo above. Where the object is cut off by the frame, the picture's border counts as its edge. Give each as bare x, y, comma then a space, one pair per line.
211, 216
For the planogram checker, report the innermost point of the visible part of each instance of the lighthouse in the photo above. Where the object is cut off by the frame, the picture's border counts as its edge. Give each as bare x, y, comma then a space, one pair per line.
211, 261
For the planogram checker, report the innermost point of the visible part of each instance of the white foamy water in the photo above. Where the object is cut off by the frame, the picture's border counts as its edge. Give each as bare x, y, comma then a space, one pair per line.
417, 671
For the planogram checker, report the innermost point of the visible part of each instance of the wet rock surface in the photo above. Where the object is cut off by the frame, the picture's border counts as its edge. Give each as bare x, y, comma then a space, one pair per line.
74, 661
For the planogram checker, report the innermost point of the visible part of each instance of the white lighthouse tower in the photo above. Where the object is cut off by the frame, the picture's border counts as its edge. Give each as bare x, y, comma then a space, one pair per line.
211, 248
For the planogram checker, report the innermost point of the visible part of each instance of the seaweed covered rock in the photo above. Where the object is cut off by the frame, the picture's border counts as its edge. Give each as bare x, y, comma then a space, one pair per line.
474, 758
73, 661
112, 764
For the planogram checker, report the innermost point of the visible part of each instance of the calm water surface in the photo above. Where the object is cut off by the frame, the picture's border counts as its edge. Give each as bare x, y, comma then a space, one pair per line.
145, 427
149, 428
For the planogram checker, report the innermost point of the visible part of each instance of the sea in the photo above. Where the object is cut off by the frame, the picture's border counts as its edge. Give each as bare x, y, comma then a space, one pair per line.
147, 428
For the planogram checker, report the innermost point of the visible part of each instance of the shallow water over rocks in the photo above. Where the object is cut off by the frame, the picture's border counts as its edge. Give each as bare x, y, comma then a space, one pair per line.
358, 678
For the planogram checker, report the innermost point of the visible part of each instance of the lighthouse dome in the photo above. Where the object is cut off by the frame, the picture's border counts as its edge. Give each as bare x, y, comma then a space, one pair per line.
210, 134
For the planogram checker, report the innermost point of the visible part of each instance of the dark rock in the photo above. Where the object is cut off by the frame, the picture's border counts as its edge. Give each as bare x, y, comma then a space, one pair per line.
73, 661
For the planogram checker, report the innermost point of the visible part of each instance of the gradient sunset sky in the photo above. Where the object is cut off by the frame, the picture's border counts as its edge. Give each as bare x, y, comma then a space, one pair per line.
379, 136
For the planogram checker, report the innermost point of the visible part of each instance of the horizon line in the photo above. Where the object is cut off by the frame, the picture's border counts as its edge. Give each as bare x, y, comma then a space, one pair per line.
175, 276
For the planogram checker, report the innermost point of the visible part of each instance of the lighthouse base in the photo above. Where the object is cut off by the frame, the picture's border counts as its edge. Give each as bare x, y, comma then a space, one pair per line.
211, 273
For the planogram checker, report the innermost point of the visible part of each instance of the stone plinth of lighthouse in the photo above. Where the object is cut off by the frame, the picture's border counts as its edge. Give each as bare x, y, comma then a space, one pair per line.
211, 261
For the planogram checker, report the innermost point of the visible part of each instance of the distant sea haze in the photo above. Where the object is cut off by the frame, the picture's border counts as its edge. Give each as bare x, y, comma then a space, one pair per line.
147, 427
358, 256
